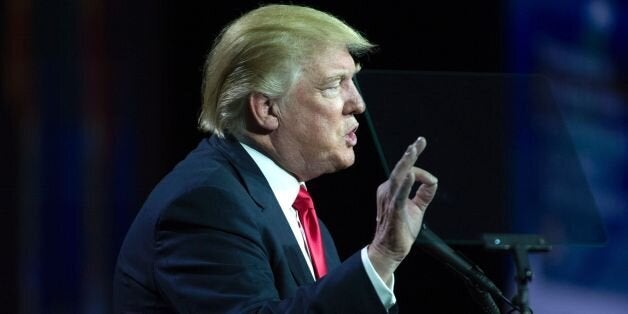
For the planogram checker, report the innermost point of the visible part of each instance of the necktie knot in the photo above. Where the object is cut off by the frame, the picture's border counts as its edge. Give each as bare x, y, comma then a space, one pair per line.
303, 202
309, 222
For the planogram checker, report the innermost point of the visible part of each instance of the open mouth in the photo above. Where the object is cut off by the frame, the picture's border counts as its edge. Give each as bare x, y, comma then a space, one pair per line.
351, 137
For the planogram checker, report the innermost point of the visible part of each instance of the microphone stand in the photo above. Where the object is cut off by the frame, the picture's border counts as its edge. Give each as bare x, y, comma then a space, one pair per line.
520, 245
482, 298
482, 289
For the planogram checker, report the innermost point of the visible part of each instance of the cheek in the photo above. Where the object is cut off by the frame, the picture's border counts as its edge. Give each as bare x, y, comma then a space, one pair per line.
328, 126
319, 121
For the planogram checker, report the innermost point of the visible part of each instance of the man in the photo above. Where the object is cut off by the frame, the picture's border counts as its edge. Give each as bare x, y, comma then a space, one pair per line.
225, 230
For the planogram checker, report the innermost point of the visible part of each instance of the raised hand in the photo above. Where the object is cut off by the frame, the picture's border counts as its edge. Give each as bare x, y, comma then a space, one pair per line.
399, 217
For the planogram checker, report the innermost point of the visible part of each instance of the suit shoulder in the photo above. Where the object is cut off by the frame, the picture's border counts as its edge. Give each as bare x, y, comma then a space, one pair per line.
209, 206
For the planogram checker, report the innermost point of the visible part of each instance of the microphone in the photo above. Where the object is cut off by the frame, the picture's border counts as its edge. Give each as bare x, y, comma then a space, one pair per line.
435, 246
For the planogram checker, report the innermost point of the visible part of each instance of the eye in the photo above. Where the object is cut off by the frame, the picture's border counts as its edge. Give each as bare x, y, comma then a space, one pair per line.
332, 89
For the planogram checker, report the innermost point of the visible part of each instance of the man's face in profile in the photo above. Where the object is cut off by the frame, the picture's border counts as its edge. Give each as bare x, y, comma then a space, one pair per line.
317, 119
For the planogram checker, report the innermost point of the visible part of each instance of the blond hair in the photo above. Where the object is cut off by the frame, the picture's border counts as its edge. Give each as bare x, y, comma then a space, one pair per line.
263, 51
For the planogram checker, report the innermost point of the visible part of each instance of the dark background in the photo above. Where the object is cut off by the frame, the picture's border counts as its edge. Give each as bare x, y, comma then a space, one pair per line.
100, 100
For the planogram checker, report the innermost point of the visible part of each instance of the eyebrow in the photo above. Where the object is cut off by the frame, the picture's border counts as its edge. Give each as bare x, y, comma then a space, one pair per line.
333, 78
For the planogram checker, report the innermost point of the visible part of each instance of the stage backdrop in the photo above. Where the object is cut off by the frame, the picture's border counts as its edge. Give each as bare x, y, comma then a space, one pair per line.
99, 100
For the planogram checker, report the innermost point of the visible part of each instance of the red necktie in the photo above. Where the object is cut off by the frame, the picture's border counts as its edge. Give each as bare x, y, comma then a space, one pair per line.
307, 215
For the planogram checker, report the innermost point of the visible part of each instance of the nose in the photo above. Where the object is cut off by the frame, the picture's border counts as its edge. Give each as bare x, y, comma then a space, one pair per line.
354, 104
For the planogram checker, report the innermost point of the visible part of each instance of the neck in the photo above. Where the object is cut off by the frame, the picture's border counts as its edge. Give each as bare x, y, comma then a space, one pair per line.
289, 161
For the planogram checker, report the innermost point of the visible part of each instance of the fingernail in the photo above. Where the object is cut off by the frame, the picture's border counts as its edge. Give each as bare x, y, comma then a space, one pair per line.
420, 138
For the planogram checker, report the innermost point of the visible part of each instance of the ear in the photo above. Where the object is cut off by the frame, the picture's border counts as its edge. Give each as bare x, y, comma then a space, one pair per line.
264, 112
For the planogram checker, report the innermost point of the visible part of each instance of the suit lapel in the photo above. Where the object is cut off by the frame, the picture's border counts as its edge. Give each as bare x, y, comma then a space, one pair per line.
331, 254
296, 261
261, 193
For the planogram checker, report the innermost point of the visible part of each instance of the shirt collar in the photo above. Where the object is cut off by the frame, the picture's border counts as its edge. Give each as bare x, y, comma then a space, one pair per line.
284, 185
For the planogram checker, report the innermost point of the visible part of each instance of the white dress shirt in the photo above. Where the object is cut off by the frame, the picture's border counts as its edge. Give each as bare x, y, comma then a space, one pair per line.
286, 188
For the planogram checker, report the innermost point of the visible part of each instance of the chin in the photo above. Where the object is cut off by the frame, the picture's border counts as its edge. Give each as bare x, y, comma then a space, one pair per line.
346, 160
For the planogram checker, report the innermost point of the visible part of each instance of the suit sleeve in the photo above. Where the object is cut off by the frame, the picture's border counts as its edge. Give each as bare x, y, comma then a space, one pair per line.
210, 257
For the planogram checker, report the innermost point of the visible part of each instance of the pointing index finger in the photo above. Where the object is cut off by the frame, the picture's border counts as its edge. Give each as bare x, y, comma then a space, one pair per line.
404, 165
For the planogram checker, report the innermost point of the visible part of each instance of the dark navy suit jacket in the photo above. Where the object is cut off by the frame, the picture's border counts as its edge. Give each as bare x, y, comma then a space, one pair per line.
211, 238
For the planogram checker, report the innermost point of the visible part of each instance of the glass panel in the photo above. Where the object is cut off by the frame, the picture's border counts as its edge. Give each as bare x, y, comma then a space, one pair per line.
499, 147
